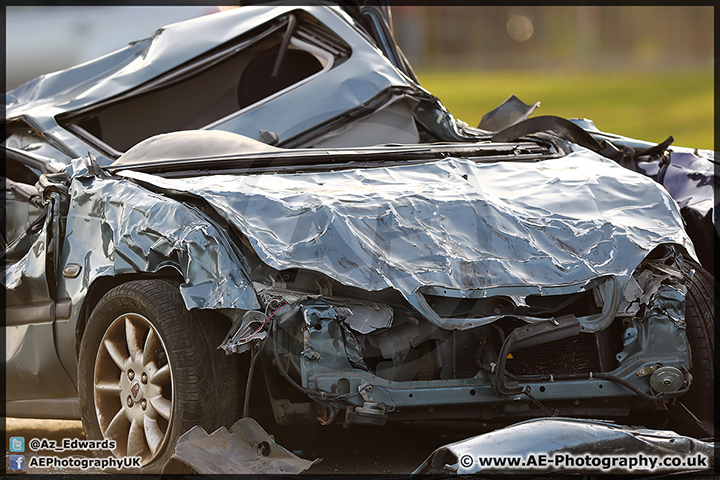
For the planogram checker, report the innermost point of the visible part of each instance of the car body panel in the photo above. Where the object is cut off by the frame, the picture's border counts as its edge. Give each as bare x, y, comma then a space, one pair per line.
32, 366
404, 227
234, 451
135, 230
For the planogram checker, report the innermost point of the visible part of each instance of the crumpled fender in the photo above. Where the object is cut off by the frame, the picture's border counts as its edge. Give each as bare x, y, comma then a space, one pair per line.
116, 227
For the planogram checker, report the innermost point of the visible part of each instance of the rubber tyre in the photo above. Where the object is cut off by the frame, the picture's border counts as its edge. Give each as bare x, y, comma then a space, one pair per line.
700, 308
201, 389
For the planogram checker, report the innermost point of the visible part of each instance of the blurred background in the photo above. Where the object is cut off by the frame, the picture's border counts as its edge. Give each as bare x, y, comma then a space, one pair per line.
645, 72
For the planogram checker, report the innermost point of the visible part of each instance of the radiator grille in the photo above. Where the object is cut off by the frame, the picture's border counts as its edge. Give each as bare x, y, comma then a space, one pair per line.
570, 355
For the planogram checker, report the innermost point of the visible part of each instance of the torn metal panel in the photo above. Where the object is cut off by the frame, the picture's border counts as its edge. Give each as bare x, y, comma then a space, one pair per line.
691, 179
367, 317
322, 339
245, 449
654, 300
115, 227
512, 111
453, 224
645, 282
660, 329
556, 437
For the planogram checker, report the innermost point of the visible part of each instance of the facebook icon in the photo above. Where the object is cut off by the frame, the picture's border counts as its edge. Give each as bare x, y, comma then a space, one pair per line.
17, 462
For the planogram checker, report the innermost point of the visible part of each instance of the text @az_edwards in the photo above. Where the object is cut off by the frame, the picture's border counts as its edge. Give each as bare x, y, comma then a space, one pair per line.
70, 444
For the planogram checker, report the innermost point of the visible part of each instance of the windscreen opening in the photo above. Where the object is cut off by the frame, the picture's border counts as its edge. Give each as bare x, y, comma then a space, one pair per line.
196, 100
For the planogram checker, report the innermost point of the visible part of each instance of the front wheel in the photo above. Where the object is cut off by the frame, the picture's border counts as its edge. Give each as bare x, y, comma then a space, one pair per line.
701, 307
147, 372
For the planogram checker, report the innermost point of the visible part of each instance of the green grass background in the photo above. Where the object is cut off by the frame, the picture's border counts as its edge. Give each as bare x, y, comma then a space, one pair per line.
644, 105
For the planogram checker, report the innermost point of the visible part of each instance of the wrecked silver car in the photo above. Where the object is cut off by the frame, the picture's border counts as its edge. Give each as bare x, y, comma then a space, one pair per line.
262, 211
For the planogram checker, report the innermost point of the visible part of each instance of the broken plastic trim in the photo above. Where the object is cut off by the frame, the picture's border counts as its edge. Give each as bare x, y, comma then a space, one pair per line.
244, 331
576, 133
244, 449
549, 122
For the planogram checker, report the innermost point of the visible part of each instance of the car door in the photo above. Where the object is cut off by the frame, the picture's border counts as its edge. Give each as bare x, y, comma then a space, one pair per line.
32, 369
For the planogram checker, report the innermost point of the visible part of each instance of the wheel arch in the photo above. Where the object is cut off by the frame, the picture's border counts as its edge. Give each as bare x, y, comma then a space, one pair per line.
102, 285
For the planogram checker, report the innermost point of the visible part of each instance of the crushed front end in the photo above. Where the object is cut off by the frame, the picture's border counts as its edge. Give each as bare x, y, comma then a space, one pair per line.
451, 287
592, 350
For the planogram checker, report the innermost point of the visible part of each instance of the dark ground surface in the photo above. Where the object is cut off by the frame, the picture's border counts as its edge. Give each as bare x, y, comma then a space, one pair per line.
395, 448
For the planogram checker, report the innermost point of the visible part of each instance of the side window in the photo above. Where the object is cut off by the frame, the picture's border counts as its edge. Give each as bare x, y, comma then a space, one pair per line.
217, 85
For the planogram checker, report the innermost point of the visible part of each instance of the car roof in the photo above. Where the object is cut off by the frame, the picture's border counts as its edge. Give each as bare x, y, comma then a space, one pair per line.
367, 73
